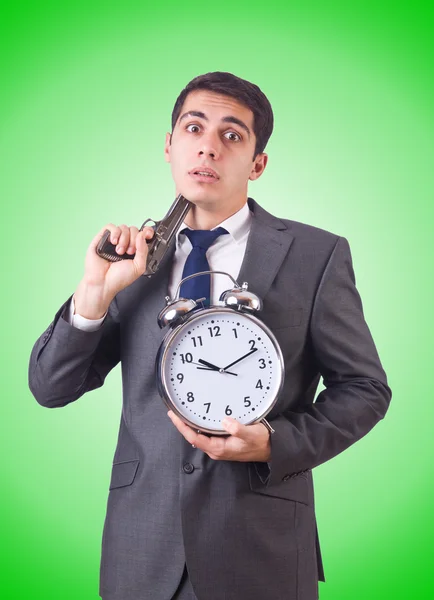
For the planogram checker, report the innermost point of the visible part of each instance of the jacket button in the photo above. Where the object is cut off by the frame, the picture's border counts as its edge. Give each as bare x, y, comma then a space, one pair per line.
188, 468
286, 477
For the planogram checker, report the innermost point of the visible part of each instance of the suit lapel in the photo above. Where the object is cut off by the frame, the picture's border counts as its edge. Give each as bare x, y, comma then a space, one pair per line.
267, 245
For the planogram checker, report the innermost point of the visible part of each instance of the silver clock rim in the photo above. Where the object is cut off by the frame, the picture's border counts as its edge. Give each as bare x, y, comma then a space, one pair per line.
164, 349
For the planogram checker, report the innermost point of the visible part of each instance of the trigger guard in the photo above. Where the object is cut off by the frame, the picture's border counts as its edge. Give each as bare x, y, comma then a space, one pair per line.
147, 221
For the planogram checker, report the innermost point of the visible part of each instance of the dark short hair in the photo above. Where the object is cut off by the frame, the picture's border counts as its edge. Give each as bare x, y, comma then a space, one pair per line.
243, 91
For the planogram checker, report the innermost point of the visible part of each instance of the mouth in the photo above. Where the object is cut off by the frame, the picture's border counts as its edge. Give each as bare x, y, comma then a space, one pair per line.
204, 174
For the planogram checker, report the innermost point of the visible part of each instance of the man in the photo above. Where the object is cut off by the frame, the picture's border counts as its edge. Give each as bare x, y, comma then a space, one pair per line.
210, 518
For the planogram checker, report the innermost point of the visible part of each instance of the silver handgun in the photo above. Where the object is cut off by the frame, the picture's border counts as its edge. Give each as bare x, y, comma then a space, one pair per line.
165, 231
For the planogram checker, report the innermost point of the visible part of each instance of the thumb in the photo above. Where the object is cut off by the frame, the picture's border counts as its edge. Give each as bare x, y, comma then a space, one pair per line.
235, 428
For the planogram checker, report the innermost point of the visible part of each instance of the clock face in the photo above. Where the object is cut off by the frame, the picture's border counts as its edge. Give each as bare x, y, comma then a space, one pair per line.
221, 363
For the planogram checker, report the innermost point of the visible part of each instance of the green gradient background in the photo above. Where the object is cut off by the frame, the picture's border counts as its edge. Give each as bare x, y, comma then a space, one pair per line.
87, 93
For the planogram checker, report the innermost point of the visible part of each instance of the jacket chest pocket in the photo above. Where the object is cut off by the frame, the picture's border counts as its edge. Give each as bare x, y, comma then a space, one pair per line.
280, 319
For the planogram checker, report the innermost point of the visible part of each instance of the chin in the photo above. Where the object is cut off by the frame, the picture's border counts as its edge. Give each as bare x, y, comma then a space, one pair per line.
200, 196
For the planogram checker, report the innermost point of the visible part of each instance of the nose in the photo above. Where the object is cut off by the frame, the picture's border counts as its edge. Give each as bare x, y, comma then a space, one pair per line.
209, 146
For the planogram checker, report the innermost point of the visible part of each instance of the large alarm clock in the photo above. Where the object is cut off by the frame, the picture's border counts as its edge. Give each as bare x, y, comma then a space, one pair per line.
218, 361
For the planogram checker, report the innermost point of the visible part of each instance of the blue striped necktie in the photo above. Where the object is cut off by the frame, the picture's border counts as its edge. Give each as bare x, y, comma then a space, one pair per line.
199, 287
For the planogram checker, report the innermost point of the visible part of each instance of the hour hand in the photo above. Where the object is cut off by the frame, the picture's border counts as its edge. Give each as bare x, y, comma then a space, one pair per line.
208, 364
214, 367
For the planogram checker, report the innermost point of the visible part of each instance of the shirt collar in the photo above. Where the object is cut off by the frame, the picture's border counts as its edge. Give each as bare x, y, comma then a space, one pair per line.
237, 225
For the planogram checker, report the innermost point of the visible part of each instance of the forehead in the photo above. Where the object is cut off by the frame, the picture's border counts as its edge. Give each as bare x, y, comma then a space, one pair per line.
217, 106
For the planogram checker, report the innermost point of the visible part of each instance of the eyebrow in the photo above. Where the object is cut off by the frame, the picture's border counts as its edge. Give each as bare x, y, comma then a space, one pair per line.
228, 119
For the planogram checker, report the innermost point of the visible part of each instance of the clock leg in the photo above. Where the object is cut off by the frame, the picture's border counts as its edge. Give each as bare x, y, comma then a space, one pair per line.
267, 425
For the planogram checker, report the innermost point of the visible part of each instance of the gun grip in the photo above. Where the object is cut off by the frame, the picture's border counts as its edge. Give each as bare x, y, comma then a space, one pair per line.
107, 250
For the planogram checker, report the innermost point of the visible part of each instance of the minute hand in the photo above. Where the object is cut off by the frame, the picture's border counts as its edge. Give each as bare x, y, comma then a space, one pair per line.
238, 359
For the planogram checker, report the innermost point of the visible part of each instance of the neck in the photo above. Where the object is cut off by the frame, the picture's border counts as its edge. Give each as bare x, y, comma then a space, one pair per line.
200, 217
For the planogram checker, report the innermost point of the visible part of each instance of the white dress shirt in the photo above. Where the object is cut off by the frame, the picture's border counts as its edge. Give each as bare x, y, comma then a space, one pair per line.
225, 254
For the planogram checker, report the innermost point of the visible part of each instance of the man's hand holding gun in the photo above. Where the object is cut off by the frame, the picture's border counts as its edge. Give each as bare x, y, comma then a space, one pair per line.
107, 270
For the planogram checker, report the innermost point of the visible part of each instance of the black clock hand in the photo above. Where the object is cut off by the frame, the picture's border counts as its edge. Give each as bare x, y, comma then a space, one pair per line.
211, 367
204, 368
225, 372
238, 359
195, 363
208, 364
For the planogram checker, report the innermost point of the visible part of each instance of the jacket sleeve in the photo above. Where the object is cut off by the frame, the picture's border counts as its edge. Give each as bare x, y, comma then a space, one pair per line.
356, 394
66, 361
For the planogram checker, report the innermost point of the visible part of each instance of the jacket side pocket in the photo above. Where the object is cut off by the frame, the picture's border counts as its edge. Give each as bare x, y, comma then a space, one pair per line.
123, 473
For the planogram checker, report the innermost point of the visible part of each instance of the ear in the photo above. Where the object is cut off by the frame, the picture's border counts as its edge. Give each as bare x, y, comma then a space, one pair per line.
167, 147
258, 166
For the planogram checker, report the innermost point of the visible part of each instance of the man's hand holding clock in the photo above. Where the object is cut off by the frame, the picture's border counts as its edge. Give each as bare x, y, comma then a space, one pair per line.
246, 442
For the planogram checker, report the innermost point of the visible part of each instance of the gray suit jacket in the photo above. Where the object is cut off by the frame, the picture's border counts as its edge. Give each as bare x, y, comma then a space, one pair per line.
246, 531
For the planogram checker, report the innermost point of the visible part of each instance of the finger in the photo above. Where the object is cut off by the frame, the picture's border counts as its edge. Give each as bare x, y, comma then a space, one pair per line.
124, 240
132, 245
210, 445
141, 256
140, 259
235, 428
149, 232
183, 429
114, 231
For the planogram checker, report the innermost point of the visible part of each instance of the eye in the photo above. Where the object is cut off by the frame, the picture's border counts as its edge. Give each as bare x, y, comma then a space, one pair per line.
193, 128
232, 136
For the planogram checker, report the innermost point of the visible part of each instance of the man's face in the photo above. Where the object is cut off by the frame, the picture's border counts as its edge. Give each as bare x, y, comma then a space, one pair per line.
214, 135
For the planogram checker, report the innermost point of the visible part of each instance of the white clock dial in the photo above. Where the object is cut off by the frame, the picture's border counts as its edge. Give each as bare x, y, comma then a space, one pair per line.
221, 363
